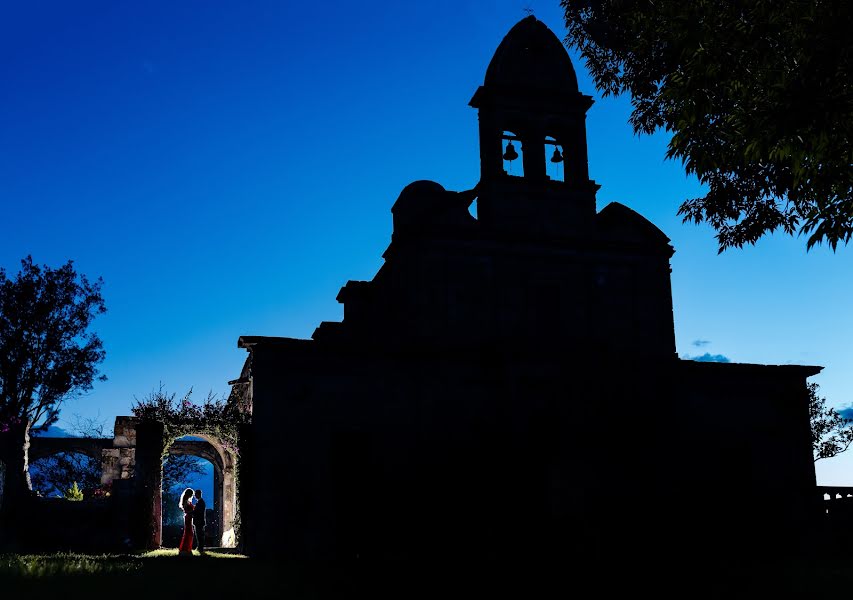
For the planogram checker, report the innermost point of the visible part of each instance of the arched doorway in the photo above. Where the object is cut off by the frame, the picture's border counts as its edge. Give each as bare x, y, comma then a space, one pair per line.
224, 500
54, 475
55, 464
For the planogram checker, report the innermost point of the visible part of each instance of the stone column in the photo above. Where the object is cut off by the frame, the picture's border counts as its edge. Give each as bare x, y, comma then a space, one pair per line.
533, 147
217, 526
149, 480
245, 488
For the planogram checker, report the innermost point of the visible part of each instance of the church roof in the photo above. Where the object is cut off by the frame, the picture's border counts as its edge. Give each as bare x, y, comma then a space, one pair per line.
531, 56
627, 224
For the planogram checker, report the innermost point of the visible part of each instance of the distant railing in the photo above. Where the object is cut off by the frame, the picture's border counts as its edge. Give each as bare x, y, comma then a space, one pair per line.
837, 501
837, 509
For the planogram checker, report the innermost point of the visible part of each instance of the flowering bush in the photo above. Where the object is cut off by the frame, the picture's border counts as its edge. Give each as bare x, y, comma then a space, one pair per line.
103, 491
214, 417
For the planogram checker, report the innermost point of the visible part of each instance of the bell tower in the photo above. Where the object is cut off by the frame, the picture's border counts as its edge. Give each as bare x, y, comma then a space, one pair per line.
531, 112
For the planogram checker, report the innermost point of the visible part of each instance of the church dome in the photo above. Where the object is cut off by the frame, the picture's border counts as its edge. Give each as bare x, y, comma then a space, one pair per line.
426, 205
416, 203
531, 56
417, 198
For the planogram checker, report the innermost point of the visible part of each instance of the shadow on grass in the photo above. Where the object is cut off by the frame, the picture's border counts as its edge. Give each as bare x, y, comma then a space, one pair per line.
223, 573
215, 574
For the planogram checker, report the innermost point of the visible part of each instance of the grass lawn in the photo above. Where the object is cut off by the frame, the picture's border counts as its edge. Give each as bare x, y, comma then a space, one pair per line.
222, 574
161, 573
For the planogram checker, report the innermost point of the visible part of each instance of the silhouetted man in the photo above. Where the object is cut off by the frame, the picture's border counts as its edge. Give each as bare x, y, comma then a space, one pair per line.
199, 521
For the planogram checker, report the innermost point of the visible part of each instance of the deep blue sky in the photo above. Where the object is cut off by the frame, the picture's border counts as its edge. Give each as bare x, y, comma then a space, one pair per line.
227, 168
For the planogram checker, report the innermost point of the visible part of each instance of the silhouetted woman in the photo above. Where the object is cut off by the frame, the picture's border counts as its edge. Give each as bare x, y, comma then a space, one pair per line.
186, 547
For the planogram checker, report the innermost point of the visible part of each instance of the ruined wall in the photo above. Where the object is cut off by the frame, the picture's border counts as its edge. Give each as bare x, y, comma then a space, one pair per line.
118, 462
745, 461
397, 455
500, 455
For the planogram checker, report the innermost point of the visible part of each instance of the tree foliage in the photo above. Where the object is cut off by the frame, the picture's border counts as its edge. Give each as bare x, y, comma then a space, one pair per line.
832, 434
47, 353
758, 96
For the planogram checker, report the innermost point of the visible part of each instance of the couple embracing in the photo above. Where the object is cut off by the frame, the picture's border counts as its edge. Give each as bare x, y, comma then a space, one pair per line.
193, 522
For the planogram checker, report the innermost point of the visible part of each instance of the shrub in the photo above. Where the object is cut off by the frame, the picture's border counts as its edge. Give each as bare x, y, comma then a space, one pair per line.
74, 493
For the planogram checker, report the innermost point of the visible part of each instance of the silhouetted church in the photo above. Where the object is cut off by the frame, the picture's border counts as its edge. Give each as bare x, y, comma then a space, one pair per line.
508, 384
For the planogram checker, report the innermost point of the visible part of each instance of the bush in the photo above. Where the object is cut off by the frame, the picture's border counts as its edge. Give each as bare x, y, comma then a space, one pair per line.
74, 493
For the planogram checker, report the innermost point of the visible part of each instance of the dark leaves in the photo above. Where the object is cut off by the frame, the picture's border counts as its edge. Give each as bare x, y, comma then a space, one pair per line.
47, 353
832, 434
758, 97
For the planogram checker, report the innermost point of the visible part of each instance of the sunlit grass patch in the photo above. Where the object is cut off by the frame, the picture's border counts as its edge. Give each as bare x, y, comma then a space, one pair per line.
70, 563
143, 575
173, 552
67, 563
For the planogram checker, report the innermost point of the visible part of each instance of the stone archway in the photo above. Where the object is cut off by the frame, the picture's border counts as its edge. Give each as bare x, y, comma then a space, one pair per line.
83, 456
43, 447
224, 480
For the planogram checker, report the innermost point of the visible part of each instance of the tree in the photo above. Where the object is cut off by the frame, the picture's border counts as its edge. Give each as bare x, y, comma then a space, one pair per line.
832, 434
758, 96
47, 356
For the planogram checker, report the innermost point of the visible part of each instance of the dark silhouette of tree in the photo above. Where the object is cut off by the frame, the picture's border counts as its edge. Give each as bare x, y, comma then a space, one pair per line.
758, 96
47, 355
832, 434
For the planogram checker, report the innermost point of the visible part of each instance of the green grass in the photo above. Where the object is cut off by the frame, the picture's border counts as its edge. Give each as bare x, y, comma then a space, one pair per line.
224, 574
65, 564
216, 574
173, 552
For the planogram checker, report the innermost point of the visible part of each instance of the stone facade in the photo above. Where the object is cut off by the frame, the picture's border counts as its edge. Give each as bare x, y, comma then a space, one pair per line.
508, 386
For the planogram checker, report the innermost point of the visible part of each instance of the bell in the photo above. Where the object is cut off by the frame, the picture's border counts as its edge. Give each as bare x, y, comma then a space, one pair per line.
556, 157
510, 153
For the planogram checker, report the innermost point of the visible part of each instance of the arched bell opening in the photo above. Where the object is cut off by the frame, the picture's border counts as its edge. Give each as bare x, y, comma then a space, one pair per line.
556, 166
512, 154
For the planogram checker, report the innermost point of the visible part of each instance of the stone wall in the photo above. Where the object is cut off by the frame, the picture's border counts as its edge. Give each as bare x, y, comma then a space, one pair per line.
119, 461
130, 518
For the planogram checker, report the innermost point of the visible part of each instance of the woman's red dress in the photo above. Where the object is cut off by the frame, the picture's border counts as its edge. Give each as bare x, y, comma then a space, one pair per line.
186, 546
